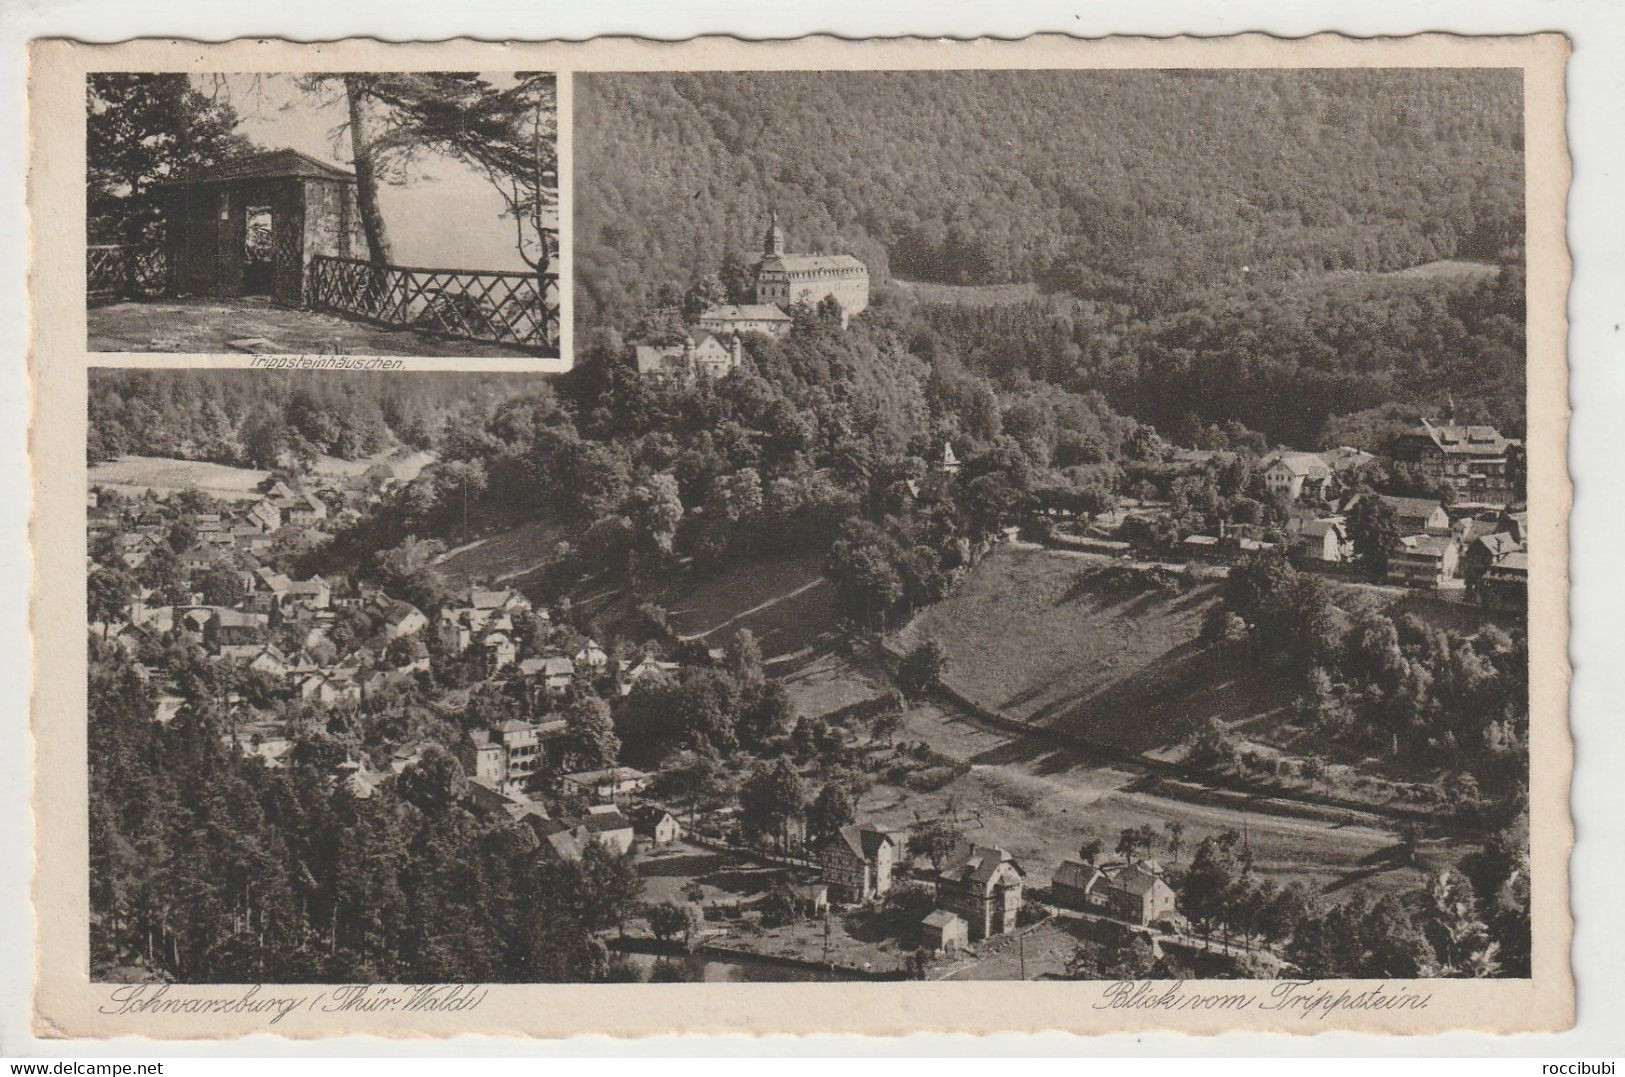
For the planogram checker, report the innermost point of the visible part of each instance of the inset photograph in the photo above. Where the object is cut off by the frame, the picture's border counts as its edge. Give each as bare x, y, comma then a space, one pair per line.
373, 213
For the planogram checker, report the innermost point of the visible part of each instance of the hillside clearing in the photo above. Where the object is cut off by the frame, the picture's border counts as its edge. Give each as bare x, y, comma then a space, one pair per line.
1045, 640
968, 295
784, 601
166, 475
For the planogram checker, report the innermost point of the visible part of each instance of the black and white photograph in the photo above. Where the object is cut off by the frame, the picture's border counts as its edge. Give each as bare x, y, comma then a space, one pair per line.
367, 213
1000, 525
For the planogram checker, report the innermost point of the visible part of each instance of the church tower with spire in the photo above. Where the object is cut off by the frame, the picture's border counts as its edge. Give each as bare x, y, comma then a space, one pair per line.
773, 240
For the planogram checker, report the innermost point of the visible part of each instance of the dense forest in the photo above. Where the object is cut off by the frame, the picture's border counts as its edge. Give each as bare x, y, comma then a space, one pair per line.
244, 419
1189, 278
1126, 185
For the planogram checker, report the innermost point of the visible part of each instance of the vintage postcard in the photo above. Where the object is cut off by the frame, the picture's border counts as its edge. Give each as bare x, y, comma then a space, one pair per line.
818, 536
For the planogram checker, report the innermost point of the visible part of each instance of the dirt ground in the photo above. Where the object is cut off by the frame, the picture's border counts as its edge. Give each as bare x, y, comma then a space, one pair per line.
208, 325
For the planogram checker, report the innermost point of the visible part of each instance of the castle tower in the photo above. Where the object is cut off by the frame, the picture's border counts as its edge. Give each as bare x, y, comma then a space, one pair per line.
773, 240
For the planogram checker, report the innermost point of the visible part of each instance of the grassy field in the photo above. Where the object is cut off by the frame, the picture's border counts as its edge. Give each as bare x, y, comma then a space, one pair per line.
784, 601
1041, 802
505, 555
164, 474
1035, 636
968, 295
1449, 272
1050, 640
161, 474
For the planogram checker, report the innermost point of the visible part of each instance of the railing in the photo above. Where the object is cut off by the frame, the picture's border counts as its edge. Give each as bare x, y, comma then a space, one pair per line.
113, 271
496, 307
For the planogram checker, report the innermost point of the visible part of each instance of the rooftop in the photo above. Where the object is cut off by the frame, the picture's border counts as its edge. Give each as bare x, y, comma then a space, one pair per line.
761, 312
273, 164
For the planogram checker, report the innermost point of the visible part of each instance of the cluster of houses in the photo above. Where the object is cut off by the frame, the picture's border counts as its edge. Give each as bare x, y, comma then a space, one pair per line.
1477, 544
336, 641
1482, 551
250, 530
979, 888
1133, 891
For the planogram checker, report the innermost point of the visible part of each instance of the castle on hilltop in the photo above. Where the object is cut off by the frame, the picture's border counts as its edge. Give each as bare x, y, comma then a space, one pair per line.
712, 345
785, 279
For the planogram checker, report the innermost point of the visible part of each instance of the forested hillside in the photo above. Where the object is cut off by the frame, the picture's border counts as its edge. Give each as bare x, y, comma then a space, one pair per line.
247, 419
1129, 185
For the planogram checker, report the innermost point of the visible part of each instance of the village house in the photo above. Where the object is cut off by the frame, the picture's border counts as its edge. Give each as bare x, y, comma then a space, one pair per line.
458, 627
1472, 459
857, 862
1322, 540
982, 885
1077, 885
1423, 560
272, 751
267, 588
568, 838
656, 825
499, 648
359, 778
324, 687
1505, 583
1293, 476
221, 626
265, 513
702, 353
554, 674
943, 932
302, 509
1346, 458
134, 549
732, 318
591, 658
645, 668
1483, 551
610, 784
1136, 893
311, 595
195, 559
212, 533
268, 660
1418, 515
400, 619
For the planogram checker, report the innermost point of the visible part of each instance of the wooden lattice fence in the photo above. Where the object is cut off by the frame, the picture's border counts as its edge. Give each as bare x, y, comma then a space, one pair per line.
496, 307
116, 271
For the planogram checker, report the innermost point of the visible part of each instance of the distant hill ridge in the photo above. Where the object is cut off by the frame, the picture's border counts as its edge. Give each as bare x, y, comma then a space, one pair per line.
1104, 183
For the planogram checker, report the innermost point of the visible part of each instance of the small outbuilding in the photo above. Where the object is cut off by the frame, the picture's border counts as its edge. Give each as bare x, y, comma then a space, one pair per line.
251, 225
943, 932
